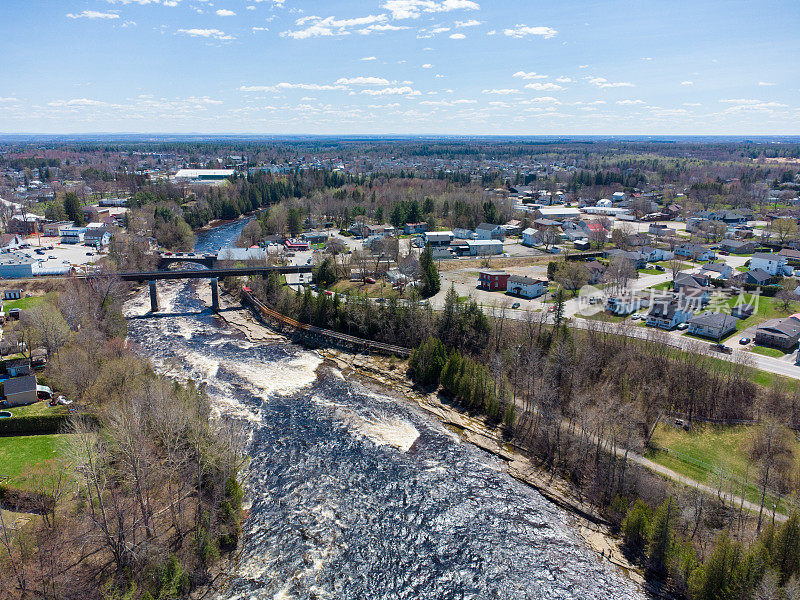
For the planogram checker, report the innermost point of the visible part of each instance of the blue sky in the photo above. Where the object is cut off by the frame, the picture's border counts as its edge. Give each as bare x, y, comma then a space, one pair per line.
522, 67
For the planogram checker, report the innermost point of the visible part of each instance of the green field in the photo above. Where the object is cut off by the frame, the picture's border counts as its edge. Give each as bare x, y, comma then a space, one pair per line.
18, 454
707, 452
25, 303
36, 409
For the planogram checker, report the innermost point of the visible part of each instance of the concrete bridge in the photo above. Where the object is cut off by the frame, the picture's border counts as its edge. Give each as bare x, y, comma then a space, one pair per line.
213, 274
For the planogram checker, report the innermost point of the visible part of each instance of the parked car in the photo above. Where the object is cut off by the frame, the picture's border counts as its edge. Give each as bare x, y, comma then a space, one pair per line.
745, 340
660, 268
515, 305
370, 280
682, 326
722, 348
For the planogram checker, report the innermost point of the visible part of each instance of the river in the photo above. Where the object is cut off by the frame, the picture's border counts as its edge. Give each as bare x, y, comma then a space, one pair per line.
354, 495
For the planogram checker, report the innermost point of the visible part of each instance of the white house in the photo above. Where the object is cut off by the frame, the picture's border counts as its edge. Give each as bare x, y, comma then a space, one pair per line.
656, 254
530, 237
484, 247
73, 235
712, 325
716, 270
694, 251
774, 264
668, 314
525, 287
438, 238
490, 231
618, 197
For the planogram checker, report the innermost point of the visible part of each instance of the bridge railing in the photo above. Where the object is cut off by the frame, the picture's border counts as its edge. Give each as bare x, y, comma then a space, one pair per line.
333, 336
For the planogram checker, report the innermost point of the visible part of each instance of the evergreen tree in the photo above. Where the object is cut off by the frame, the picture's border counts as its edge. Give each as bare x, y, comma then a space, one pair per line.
428, 361
74, 209
661, 535
636, 525
430, 276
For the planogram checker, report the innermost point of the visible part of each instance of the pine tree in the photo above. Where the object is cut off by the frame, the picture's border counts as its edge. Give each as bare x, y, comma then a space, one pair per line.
661, 536
430, 276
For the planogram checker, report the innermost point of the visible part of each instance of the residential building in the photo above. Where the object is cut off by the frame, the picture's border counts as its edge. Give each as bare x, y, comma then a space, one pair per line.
10, 241
737, 246
462, 233
19, 391
17, 367
656, 254
774, 264
756, 277
525, 287
792, 256
202, 175
596, 271
695, 252
412, 228
490, 231
693, 284
492, 280
668, 313
638, 259
99, 237
716, 270
779, 333
530, 236
712, 325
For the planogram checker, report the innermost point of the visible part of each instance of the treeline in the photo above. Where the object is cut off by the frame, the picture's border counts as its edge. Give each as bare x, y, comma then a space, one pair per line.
403, 323
143, 496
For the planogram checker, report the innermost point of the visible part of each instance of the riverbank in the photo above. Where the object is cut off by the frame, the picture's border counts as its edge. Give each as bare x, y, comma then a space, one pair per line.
388, 375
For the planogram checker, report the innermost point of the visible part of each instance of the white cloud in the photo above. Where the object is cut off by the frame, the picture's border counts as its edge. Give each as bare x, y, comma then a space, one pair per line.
93, 14
602, 82
544, 87
250, 7
447, 102
8, 99
521, 31
530, 75
313, 26
368, 58
207, 33
647, 58
542, 100
393, 91
687, 82
412, 9
502, 92
291, 86
427, 66
468, 23
458, 36
629, 102
224, 12
740, 104
765, 83
77, 102
492, 32
260, 29
692, 104
563, 79
362, 81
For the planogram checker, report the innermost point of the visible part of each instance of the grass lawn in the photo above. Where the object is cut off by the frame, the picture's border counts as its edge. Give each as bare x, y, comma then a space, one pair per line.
650, 272
604, 316
371, 290
682, 267
36, 409
706, 451
768, 308
664, 285
774, 352
18, 454
25, 303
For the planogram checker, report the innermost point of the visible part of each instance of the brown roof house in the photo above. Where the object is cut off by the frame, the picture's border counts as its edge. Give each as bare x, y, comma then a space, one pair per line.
779, 333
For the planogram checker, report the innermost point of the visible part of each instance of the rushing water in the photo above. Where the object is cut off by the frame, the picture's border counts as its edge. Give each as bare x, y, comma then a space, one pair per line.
354, 494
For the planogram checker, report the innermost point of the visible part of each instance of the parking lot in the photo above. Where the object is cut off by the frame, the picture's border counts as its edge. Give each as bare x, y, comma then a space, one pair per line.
55, 254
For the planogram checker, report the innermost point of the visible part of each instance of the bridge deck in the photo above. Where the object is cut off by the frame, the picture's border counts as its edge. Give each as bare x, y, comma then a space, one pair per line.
208, 273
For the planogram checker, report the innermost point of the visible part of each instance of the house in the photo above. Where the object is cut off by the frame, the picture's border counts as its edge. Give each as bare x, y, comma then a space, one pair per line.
693, 284
413, 228
596, 271
774, 264
694, 251
492, 280
15, 294
10, 241
95, 214
626, 304
16, 367
582, 244
618, 197
462, 233
312, 237
54, 229
659, 229
737, 246
656, 254
638, 259
526, 287
513, 227
712, 325
780, 333
438, 238
98, 237
18, 391
530, 237
489, 231
484, 247
792, 256
716, 270
668, 313
379, 231
756, 277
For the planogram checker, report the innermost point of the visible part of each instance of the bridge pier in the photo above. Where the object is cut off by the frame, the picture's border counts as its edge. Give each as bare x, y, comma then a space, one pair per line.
153, 297
214, 294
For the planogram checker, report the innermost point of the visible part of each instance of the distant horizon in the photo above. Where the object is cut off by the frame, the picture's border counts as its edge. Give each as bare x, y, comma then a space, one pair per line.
365, 67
